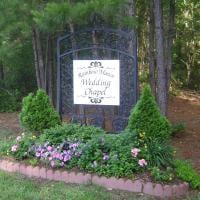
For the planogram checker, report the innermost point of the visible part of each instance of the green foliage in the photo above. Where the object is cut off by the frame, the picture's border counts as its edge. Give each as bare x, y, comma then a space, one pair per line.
186, 53
110, 155
23, 147
8, 102
57, 16
146, 117
67, 132
159, 153
178, 128
186, 172
33, 161
165, 175
37, 113
4, 147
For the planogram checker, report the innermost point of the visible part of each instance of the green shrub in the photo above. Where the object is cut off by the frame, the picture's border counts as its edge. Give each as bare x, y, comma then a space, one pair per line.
67, 132
163, 175
146, 117
37, 113
110, 155
159, 153
186, 172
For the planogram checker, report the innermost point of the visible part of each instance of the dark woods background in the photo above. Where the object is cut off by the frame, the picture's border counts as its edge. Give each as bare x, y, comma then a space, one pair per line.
168, 42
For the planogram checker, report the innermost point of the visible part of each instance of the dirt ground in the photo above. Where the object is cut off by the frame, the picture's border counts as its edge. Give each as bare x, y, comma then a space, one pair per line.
186, 108
183, 108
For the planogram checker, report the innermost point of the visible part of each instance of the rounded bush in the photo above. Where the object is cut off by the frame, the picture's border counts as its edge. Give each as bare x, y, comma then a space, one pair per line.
37, 113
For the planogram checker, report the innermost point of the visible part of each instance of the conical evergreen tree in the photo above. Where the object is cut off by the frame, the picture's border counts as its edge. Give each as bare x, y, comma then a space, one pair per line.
146, 117
37, 113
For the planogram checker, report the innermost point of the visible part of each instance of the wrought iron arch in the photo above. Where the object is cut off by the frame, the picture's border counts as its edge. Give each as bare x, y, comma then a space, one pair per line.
97, 44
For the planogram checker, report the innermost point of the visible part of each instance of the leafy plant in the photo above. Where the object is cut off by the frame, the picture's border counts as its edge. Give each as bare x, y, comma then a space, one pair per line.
110, 155
21, 147
159, 153
186, 172
146, 117
37, 113
165, 175
73, 132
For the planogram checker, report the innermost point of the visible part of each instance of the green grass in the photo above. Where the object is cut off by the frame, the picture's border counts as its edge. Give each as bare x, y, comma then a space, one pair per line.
17, 187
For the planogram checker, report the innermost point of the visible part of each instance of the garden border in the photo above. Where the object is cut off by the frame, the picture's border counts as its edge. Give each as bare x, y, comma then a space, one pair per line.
154, 189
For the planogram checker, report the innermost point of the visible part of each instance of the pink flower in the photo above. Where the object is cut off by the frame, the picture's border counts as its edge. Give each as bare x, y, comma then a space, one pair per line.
142, 162
49, 148
14, 148
52, 163
18, 138
135, 152
50, 158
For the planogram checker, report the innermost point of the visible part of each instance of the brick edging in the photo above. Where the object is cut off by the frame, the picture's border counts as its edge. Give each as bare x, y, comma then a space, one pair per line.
154, 189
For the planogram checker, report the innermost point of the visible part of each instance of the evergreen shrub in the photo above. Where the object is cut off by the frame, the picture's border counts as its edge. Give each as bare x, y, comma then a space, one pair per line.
37, 113
146, 117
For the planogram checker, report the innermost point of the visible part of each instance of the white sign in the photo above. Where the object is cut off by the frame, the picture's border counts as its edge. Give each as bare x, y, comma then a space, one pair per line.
96, 82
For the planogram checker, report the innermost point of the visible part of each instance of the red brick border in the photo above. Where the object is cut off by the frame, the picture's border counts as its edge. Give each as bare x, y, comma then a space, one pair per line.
158, 190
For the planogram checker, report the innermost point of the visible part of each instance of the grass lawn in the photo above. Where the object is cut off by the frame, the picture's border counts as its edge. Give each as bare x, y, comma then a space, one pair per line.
17, 187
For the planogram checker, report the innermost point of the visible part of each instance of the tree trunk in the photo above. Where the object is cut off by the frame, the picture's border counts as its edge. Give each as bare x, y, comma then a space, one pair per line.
169, 42
152, 64
132, 45
159, 33
48, 67
34, 41
39, 60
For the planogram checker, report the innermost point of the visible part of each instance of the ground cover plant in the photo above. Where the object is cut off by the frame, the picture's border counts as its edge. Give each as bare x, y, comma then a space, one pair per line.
73, 132
187, 173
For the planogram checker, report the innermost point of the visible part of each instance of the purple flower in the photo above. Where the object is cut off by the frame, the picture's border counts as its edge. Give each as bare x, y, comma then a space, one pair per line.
67, 158
74, 146
105, 157
37, 154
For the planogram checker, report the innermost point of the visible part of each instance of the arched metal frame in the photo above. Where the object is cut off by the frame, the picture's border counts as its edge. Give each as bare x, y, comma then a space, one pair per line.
98, 44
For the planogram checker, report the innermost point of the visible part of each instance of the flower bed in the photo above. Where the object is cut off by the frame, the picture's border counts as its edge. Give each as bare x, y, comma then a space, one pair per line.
142, 149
